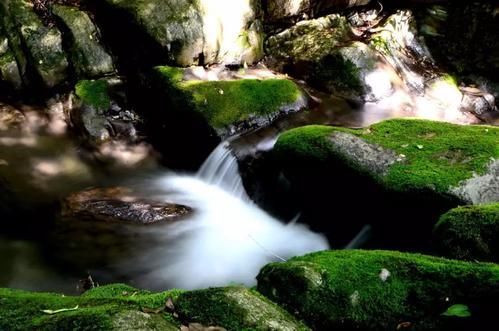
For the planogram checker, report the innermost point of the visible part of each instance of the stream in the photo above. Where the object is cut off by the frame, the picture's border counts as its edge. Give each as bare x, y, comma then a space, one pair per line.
226, 240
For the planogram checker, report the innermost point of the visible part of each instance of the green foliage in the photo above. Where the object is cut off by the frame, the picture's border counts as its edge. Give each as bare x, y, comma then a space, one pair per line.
458, 311
436, 155
227, 102
345, 289
469, 233
94, 93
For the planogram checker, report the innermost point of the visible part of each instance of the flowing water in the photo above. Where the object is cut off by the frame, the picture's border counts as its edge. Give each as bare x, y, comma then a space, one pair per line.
226, 240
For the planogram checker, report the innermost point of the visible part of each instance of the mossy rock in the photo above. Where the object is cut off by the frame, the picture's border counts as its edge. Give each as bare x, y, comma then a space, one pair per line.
88, 56
469, 233
230, 106
381, 290
234, 308
406, 155
34, 43
325, 54
399, 176
94, 93
113, 307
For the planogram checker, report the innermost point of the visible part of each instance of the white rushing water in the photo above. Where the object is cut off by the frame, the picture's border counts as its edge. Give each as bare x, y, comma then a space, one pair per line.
228, 238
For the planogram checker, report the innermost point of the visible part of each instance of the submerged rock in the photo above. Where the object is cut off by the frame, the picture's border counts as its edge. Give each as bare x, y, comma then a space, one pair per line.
469, 233
120, 205
234, 308
88, 56
381, 290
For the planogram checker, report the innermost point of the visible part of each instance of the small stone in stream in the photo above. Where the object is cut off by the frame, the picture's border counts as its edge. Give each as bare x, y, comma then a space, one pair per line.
120, 204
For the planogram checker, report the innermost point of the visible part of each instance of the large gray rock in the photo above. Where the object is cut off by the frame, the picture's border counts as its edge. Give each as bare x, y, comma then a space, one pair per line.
30, 38
202, 31
88, 56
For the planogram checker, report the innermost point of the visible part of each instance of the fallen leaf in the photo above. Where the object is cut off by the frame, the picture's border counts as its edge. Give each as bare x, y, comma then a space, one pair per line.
458, 310
52, 312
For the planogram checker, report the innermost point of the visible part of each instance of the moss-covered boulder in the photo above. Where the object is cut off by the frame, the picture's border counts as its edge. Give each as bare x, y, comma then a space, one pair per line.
115, 307
405, 173
121, 307
469, 233
406, 155
230, 106
198, 32
380, 290
88, 56
323, 52
31, 40
234, 308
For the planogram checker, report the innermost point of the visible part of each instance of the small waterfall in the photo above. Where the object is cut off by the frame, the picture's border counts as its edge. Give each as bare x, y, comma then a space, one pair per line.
221, 169
227, 239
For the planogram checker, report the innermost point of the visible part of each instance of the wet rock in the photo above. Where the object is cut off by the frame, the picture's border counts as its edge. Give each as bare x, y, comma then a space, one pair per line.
344, 290
469, 233
120, 205
88, 56
31, 39
234, 308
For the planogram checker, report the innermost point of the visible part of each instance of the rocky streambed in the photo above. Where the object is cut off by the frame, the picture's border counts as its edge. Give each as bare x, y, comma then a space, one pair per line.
366, 125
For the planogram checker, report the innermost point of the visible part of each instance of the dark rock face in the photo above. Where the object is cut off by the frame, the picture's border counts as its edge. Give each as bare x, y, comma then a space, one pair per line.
464, 36
120, 205
469, 233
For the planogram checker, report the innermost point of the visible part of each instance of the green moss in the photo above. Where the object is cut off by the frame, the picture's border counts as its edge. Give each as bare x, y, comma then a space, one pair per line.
234, 308
436, 155
224, 103
469, 233
20, 310
337, 70
94, 93
377, 290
